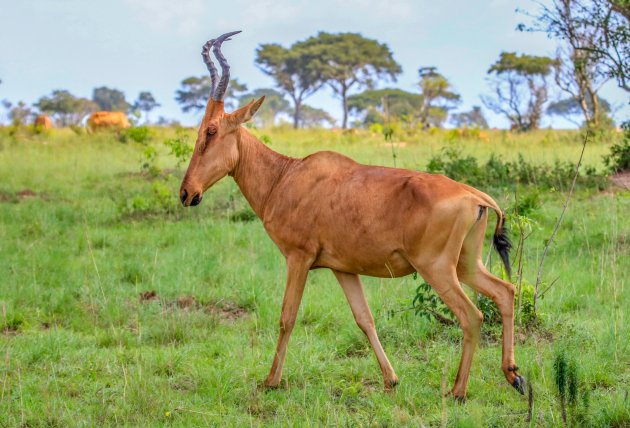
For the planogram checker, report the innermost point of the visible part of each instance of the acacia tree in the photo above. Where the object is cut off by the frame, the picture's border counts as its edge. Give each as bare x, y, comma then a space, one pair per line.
438, 97
383, 105
313, 117
473, 118
349, 60
109, 99
595, 37
591, 49
65, 107
295, 71
274, 104
145, 103
520, 85
570, 109
195, 91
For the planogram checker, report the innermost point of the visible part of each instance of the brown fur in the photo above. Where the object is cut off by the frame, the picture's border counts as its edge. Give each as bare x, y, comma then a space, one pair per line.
43, 122
328, 211
102, 120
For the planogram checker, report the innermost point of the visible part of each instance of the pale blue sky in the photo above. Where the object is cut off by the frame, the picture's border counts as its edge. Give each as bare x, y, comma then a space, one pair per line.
137, 45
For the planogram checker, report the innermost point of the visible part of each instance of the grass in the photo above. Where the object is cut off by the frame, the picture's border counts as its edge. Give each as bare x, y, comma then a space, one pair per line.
80, 343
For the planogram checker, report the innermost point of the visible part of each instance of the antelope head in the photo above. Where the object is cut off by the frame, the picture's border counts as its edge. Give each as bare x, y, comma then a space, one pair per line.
216, 151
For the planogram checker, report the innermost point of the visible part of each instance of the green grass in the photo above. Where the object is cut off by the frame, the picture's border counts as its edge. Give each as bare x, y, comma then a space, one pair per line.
80, 347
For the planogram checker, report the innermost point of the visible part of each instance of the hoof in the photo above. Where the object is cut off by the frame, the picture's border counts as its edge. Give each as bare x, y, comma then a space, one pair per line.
458, 398
391, 384
519, 384
271, 385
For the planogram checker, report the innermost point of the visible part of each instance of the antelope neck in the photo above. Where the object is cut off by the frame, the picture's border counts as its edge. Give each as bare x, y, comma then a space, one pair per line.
258, 170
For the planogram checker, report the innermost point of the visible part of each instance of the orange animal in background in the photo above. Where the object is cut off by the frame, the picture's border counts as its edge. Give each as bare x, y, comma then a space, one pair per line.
43, 122
107, 120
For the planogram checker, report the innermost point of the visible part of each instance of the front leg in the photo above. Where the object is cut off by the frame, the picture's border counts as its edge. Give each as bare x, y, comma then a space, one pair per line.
297, 270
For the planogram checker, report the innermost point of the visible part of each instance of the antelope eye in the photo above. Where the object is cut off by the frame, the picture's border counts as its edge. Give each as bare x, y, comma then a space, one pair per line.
212, 130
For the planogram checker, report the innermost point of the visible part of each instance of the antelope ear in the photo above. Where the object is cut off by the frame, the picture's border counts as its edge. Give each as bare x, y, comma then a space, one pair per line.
248, 111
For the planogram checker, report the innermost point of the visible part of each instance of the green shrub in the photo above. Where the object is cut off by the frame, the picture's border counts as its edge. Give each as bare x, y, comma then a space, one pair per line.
499, 173
619, 158
139, 134
245, 215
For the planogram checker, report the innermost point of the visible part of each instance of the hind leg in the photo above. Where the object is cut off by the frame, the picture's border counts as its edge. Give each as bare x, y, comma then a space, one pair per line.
472, 272
444, 281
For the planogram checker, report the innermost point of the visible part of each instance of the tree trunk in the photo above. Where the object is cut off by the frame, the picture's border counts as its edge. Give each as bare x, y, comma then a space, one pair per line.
296, 114
344, 100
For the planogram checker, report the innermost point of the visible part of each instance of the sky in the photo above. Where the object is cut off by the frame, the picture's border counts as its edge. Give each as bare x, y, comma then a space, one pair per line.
140, 45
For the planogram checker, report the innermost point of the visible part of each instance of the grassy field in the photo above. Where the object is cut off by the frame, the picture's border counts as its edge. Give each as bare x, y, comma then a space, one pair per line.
120, 308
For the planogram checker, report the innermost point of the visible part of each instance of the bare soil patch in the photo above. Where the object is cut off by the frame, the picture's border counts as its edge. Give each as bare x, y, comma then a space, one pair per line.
225, 310
622, 180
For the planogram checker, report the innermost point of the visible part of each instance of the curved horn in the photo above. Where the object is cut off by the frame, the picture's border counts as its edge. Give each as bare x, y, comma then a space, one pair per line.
225, 67
205, 53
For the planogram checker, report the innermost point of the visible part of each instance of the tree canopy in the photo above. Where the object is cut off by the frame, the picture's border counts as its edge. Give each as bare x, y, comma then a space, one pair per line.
65, 107
274, 104
145, 103
470, 119
382, 105
520, 86
295, 71
109, 99
347, 60
195, 91
438, 97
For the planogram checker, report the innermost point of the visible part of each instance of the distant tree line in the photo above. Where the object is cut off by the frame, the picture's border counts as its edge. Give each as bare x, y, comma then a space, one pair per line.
593, 47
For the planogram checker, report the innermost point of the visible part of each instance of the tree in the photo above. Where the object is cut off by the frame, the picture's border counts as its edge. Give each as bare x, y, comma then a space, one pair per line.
383, 105
295, 70
195, 92
312, 117
109, 99
594, 47
348, 60
594, 33
65, 107
20, 113
438, 97
568, 108
520, 84
274, 104
233, 94
145, 103
473, 119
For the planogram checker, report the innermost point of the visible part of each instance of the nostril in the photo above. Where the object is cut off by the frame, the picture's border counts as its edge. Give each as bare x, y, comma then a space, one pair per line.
196, 200
184, 196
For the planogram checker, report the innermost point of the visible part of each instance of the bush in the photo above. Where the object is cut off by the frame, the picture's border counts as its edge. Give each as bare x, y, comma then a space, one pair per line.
139, 134
497, 172
619, 158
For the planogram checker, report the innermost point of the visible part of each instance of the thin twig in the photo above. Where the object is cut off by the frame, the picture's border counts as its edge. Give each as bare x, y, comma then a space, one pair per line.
555, 230
542, 293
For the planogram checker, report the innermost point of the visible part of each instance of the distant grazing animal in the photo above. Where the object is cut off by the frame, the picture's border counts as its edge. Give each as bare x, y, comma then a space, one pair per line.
102, 120
328, 211
43, 122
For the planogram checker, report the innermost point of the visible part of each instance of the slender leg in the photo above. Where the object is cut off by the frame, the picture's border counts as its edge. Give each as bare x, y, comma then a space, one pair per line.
472, 272
502, 293
297, 271
353, 289
444, 281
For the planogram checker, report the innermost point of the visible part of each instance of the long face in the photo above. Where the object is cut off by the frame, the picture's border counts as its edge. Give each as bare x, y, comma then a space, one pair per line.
216, 151
217, 148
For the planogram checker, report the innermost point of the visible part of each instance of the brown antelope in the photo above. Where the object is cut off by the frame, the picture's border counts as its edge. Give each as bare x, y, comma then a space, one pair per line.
103, 120
328, 211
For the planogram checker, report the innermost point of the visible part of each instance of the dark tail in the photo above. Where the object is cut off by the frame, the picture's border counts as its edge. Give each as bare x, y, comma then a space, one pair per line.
502, 243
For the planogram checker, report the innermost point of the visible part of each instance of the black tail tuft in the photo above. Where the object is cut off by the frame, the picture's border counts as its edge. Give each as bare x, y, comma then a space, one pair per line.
503, 245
